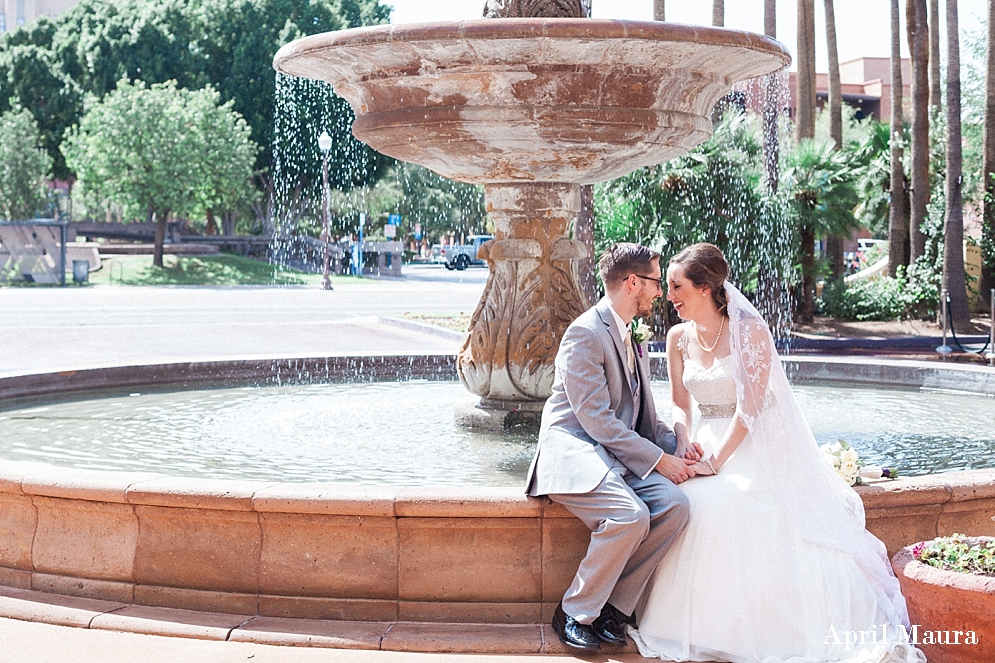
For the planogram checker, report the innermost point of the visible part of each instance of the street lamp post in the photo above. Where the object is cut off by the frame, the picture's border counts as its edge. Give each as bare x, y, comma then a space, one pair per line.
325, 144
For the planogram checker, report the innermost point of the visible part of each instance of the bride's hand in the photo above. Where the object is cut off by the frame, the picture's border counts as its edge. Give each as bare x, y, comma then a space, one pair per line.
702, 469
689, 450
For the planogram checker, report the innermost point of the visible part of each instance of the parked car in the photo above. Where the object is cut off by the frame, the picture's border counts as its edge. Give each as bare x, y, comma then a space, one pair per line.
460, 256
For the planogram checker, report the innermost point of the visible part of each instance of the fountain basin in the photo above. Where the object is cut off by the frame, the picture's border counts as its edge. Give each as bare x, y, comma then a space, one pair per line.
533, 100
343, 430
369, 553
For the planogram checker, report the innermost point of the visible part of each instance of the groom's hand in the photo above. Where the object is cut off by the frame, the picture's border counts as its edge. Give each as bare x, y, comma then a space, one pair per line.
676, 469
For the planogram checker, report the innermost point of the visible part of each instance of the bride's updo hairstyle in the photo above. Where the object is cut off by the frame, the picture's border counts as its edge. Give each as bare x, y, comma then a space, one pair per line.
704, 264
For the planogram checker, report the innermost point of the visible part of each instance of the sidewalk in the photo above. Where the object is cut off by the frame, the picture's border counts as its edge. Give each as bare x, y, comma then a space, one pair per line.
30, 642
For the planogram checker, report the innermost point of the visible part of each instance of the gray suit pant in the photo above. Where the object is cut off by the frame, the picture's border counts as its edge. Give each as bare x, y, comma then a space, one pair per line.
633, 524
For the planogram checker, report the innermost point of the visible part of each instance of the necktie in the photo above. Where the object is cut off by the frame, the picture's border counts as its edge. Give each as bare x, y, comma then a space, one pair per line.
630, 354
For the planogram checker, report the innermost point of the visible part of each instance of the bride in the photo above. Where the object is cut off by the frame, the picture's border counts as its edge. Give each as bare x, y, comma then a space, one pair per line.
775, 564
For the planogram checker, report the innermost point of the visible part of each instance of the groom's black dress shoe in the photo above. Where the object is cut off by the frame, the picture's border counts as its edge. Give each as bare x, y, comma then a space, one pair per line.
610, 625
572, 632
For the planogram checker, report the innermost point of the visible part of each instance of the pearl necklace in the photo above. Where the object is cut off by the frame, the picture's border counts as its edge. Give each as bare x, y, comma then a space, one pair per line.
722, 322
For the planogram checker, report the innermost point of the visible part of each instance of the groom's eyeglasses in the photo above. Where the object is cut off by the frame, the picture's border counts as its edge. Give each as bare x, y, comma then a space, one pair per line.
659, 282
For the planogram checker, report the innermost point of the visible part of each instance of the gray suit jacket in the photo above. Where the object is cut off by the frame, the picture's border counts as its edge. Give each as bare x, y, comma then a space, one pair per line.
586, 423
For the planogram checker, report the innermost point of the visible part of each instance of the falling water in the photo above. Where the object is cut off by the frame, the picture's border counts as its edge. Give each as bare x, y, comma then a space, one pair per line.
304, 109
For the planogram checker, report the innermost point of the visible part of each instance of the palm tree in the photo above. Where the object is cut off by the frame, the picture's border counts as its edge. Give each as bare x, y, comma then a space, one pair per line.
823, 197
935, 94
988, 162
915, 12
659, 12
834, 243
898, 224
718, 13
954, 279
770, 92
805, 120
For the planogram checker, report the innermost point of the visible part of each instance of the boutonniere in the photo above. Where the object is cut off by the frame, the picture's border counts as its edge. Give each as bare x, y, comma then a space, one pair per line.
641, 332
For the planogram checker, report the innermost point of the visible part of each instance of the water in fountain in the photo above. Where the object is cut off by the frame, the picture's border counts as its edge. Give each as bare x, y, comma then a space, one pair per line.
358, 432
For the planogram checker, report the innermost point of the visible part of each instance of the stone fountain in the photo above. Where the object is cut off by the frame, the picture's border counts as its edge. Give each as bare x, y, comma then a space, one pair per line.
532, 108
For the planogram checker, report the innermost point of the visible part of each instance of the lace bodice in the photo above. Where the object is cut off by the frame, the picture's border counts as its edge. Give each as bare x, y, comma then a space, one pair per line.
714, 385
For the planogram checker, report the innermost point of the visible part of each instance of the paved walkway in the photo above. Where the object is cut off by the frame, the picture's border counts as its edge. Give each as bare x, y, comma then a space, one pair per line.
29, 642
62, 328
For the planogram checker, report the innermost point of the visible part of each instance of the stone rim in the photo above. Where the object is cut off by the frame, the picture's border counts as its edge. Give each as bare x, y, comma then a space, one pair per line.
530, 28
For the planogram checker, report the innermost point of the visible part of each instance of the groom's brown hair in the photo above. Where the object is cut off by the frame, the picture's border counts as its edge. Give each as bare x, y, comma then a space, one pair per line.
620, 260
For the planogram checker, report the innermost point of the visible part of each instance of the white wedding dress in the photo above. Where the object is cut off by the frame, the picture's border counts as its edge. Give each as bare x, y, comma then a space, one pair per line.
741, 584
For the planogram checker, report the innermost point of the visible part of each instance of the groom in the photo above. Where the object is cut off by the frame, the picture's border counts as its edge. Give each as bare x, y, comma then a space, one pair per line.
605, 456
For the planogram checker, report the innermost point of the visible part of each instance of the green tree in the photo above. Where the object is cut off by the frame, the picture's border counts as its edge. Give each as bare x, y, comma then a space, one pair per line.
227, 158
159, 150
715, 193
31, 77
50, 65
820, 186
24, 166
442, 206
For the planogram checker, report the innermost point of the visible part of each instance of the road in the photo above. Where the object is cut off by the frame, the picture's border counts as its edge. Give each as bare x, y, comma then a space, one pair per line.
43, 329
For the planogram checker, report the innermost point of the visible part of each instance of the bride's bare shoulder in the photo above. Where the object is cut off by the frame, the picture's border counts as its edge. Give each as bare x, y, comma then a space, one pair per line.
676, 337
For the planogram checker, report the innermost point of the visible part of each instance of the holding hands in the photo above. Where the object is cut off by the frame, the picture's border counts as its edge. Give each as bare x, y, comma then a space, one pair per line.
688, 461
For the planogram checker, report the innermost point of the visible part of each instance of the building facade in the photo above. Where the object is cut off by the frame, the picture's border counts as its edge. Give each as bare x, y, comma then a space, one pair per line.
15, 13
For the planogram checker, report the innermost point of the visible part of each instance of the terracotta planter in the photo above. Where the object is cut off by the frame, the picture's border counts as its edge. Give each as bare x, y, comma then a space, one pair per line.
943, 602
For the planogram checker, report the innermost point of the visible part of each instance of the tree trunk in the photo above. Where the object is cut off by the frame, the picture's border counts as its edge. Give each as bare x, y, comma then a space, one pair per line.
718, 13
228, 223
988, 167
771, 102
834, 244
898, 225
212, 226
805, 93
584, 232
919, 46
935, 93
160, 236
807, 305
659, 13
954, 278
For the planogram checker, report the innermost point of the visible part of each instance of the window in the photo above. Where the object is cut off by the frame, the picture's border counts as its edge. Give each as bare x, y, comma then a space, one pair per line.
3, 22
20, 12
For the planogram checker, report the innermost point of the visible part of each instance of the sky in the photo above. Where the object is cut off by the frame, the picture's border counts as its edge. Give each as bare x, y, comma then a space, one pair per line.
862, 26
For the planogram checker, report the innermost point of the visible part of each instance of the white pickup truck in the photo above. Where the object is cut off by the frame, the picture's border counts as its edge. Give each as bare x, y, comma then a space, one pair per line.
460, 256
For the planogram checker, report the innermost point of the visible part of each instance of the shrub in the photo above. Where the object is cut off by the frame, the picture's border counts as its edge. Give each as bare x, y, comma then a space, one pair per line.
913, 294
881, 299
958, 553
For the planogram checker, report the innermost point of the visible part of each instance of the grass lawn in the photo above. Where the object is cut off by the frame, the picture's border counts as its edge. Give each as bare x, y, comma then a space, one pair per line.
455, 321
221, 269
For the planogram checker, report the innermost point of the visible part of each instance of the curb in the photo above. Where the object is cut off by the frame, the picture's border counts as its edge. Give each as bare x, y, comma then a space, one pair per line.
421, 327
60, 610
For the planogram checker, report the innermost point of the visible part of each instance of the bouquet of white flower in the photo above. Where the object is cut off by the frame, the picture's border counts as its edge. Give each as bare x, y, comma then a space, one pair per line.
846, 461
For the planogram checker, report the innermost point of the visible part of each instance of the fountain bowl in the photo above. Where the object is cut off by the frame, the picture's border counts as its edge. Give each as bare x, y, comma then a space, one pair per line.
533, 100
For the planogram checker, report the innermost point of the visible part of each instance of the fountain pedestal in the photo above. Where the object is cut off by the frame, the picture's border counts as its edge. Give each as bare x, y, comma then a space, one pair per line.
532, 295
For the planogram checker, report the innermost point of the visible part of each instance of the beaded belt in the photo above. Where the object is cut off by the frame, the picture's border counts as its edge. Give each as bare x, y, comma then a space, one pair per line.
717, 411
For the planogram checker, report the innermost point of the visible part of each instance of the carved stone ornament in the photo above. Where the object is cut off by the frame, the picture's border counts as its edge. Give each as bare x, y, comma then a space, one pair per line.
532, 293
537, 9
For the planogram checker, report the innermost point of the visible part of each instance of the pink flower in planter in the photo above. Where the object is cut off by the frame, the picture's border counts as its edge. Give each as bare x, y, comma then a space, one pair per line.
918, 548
